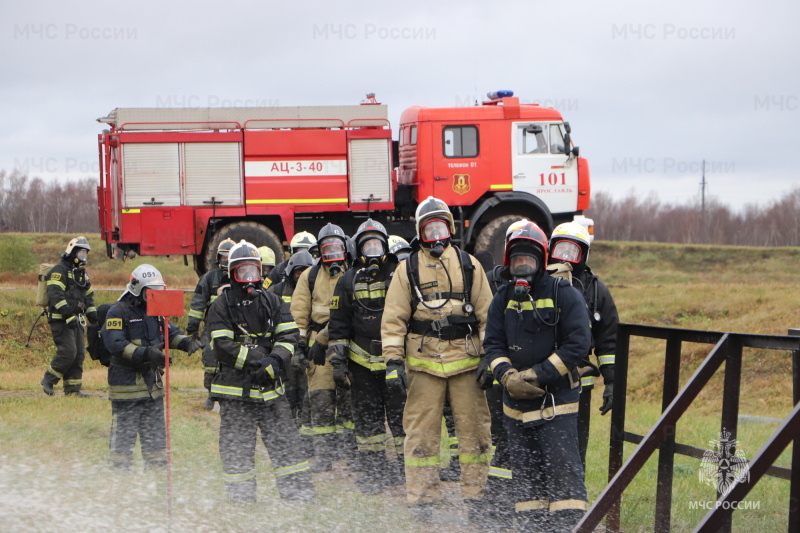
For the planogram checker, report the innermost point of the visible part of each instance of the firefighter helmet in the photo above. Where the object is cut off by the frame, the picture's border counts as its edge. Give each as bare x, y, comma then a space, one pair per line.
223, 249
399, 247
78, 250
267, 256
300, 260
145, 277
526, 239
371, 240
570, 244
429, 210
301, 241
332, 243
244, 263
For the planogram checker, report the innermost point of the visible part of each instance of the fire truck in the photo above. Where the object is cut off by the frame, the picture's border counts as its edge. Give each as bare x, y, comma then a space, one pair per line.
177, 181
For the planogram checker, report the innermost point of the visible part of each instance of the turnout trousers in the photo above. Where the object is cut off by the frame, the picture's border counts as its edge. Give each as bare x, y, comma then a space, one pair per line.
67, 363
584, 420
422, 421
373, 408
331, 415
145, 419
547, 474
239, 424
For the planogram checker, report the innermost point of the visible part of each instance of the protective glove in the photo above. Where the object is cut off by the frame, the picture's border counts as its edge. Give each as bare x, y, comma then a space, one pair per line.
92, 318
191, 345
317, 353
485, 378
299, 359
264, 371
396, 379
193, 326
608, 398
341, 371
155, 357
522, 385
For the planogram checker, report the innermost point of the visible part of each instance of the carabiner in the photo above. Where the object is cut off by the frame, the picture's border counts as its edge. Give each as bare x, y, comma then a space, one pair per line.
544, 404
82, 320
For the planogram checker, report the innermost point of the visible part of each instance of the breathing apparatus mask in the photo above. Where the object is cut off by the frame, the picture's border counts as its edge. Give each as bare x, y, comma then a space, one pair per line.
372, 253
435, 235
332, 252
525, 267
248, 278
81, 256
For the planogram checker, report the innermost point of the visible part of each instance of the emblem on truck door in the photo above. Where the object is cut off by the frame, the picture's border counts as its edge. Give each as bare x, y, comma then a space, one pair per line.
461, 183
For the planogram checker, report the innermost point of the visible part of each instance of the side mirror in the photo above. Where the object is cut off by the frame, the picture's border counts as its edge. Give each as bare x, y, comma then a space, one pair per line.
534, 129
576, 151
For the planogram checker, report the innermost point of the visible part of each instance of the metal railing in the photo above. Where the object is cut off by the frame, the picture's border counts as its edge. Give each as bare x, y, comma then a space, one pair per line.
675, 401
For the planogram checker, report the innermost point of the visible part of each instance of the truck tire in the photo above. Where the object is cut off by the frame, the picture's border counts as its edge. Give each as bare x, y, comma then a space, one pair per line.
493, 236
252, 232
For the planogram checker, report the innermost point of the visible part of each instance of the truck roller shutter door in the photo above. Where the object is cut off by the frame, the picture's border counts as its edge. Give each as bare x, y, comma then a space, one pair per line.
151, 173
213, 170
369, 170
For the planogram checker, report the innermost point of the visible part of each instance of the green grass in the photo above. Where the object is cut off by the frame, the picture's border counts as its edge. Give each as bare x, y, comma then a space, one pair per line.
49, 444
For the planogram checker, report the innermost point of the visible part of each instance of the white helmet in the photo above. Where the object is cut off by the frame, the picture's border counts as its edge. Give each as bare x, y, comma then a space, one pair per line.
570, 244
145, 276
302, 241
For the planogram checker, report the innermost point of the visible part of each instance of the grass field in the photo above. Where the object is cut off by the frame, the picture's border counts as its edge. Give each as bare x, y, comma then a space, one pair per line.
53, 451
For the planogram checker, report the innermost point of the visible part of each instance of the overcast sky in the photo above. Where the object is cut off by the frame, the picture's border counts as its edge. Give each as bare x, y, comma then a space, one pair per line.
650, 89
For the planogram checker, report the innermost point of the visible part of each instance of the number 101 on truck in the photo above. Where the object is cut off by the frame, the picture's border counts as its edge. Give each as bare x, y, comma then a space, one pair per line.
177, 181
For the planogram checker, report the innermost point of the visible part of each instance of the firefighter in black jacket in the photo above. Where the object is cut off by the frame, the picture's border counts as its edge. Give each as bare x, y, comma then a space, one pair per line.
569, 245
354, 351
135, 342
536, 336
254, 338
70, 298
204, 295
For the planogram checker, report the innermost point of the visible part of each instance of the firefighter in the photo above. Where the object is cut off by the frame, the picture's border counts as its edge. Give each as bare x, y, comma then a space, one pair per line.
135, 342
537, 335
254, 338
569, 245
330, 409
354, 352
499, 488
432, 329
267, 264
70, 302
205, 293
301, 241
399, 247
297, 382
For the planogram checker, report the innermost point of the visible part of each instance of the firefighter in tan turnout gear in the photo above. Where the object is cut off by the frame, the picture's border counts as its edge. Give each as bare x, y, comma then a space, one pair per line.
70, 298
311, 310
432, 330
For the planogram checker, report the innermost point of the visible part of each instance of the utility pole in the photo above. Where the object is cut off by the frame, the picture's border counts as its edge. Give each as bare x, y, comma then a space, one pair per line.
703, 204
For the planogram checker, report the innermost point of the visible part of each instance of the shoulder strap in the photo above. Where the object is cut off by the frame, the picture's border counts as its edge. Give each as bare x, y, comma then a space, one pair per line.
312, 278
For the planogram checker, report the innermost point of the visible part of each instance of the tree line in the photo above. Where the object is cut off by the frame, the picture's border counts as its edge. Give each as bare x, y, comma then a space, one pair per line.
637, 218
47, 206
51, 206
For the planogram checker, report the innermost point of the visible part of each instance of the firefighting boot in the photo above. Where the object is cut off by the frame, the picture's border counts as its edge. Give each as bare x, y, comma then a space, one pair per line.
395, 473
208, 405
371, 480
47, 386
77, 394
452, 472
325, 451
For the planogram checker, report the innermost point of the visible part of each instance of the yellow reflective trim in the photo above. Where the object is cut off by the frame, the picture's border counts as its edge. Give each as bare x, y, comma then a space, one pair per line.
283, 326
227, 333
60, 304
501, 187
293, 469
287, 345
587, 381
239, 478
194, 313
131, 211
322, 430
300, 201
443, 368
503, 473
421, 461
57, 284
241, 358
360, 356
129, 350
480, 459
57, 374
606, 359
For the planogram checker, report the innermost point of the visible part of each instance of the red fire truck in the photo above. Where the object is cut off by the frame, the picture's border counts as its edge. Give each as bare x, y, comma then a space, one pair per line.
178, 181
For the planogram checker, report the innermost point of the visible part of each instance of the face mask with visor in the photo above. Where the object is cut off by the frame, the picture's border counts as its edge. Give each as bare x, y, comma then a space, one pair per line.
247, 273
566, 251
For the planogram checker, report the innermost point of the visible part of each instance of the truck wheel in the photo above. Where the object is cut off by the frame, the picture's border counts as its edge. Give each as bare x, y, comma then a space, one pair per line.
253, 232
492, 237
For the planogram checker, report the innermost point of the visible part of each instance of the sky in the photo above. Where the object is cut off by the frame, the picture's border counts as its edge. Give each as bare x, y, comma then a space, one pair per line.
650, 89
